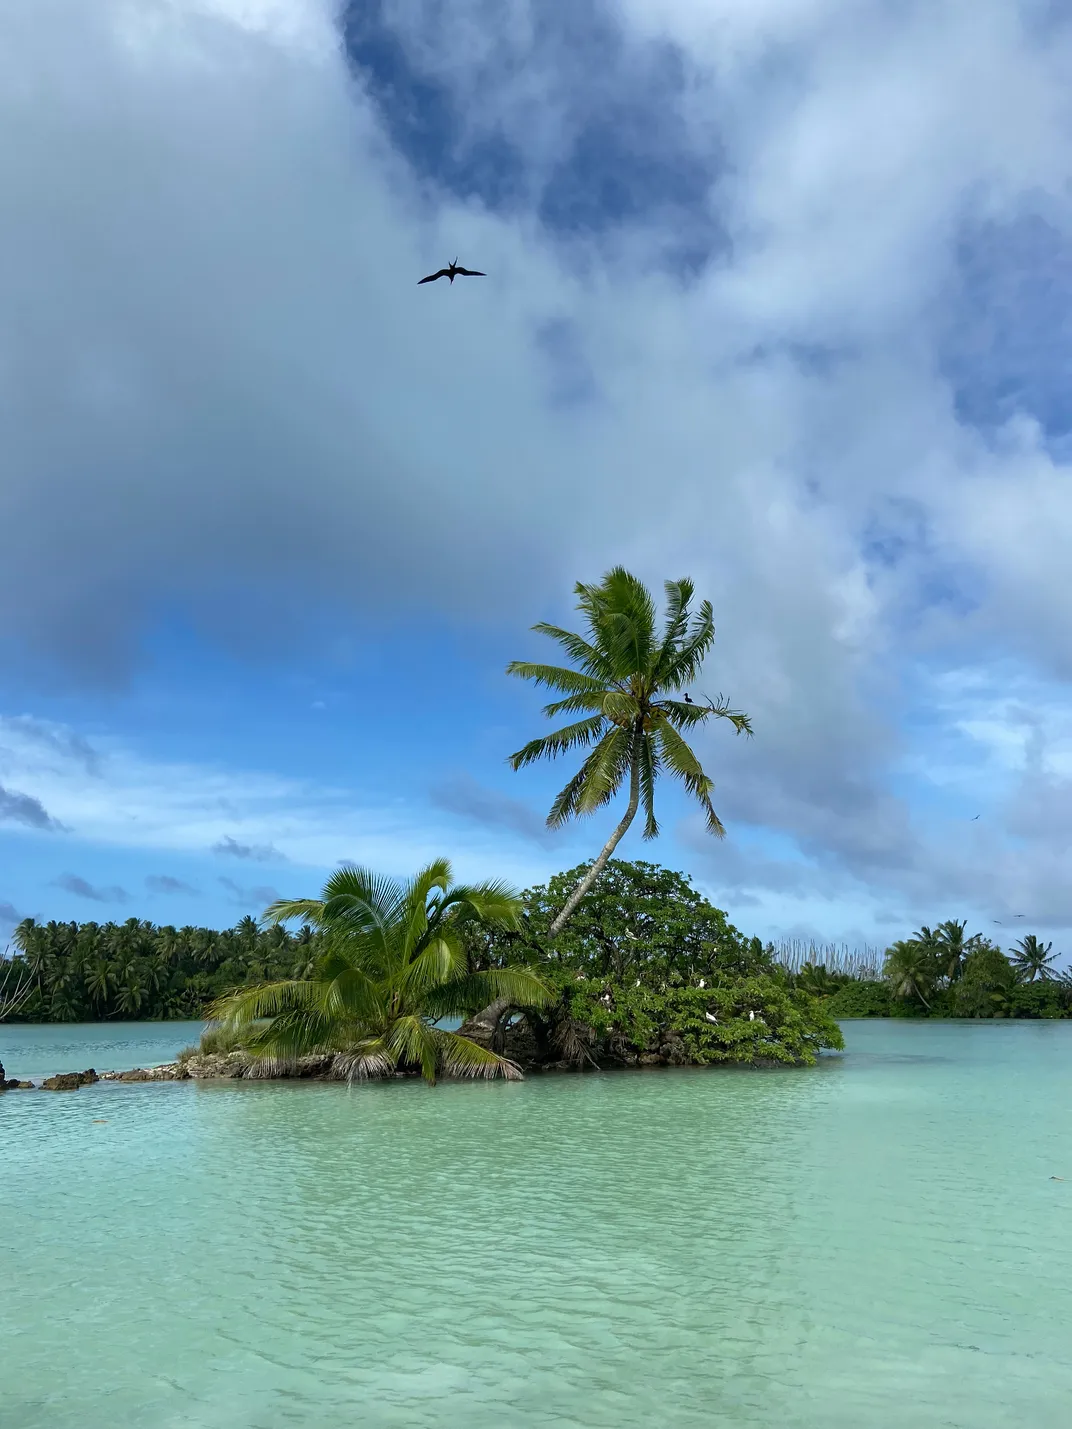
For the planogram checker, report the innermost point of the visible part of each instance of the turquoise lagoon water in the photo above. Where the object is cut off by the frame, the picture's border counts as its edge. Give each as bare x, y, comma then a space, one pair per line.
875, 1243
32, 1052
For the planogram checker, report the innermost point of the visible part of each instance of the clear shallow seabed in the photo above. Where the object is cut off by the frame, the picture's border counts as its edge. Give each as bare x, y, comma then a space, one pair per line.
870, 1244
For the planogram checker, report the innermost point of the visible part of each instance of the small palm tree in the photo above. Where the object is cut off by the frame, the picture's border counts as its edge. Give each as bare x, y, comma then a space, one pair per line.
1033, 959
909, 969
625, 688
392, 963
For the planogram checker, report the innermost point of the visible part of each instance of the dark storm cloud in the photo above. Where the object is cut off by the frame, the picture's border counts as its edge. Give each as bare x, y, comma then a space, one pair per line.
16, 808
249, 897
463, 795
254, 853
66, 743
81, 888
164, 883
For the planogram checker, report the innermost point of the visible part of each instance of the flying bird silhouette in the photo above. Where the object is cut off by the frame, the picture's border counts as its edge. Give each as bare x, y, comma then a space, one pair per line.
978, 816
452, 271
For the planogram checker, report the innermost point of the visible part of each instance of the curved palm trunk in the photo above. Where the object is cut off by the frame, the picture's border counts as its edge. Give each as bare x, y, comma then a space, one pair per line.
608, 848
486, 1026
488, 1023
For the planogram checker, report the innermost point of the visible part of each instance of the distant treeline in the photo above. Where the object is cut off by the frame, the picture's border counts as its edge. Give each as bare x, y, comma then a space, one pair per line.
639, 921
945, 972
88, 972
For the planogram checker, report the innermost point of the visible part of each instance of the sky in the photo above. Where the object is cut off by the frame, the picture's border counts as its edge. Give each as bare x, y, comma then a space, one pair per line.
778, 296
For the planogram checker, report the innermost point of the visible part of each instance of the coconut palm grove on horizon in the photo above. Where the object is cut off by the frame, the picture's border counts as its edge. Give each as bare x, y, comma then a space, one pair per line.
535, 714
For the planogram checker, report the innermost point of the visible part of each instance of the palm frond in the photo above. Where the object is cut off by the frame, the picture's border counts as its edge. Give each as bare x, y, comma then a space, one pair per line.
558, 742
556, 677
417, 913
495, 902
684, 666
679, 758
685, 716
621, 610
353, 994
412, 1042
370, 1058
285, 910
597, 780
606, 768
678, 596
296, 1033
442, 960
519, 985
363, 894
461, 1057
649, 768
249, 1005
576, 704
592, 660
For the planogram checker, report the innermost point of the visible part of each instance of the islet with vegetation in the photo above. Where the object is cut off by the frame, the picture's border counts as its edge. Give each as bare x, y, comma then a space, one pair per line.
612, 963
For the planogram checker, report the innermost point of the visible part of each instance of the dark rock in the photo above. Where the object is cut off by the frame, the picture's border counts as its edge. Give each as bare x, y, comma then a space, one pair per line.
69, 1081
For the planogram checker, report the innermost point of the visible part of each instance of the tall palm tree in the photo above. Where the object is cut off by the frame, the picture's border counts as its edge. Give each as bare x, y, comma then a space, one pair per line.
1033, 959
625, 688
909, 969
953, 947
392, 965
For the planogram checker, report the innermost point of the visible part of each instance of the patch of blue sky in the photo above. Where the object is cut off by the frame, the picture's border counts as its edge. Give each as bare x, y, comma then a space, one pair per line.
1008, 344
621, 155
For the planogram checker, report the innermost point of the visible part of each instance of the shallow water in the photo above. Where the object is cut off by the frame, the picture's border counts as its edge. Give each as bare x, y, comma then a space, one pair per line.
873, 1242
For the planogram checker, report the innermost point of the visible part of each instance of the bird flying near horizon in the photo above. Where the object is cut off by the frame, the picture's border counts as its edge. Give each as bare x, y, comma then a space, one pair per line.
452, 271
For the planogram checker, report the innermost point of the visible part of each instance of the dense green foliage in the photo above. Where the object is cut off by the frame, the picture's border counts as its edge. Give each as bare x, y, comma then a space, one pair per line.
626, 686
944, 973
857, 998
638, 920
87, 972
639, 923
600, 1021
985, 981
647, 970
393, 964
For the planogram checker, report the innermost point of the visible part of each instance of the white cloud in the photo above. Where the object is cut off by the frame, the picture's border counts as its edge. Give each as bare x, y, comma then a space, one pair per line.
137, 803
239, 377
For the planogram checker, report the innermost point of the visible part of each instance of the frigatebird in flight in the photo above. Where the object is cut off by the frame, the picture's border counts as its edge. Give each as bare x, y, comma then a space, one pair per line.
452, 272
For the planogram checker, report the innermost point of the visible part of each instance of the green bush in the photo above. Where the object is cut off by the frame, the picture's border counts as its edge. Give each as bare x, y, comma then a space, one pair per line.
753, 1020
1040, 999
860, 999
986, 984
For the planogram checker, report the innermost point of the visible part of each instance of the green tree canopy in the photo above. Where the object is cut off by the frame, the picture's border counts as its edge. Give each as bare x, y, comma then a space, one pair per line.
625, 687
986, 983
640, 920
85, 972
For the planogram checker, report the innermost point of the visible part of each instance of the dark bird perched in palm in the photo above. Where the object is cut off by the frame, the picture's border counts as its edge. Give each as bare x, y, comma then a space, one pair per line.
394, 964
452, 271
625, 687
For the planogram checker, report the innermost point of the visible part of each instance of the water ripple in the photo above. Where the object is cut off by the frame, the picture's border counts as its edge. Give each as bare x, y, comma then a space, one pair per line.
875, 1241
